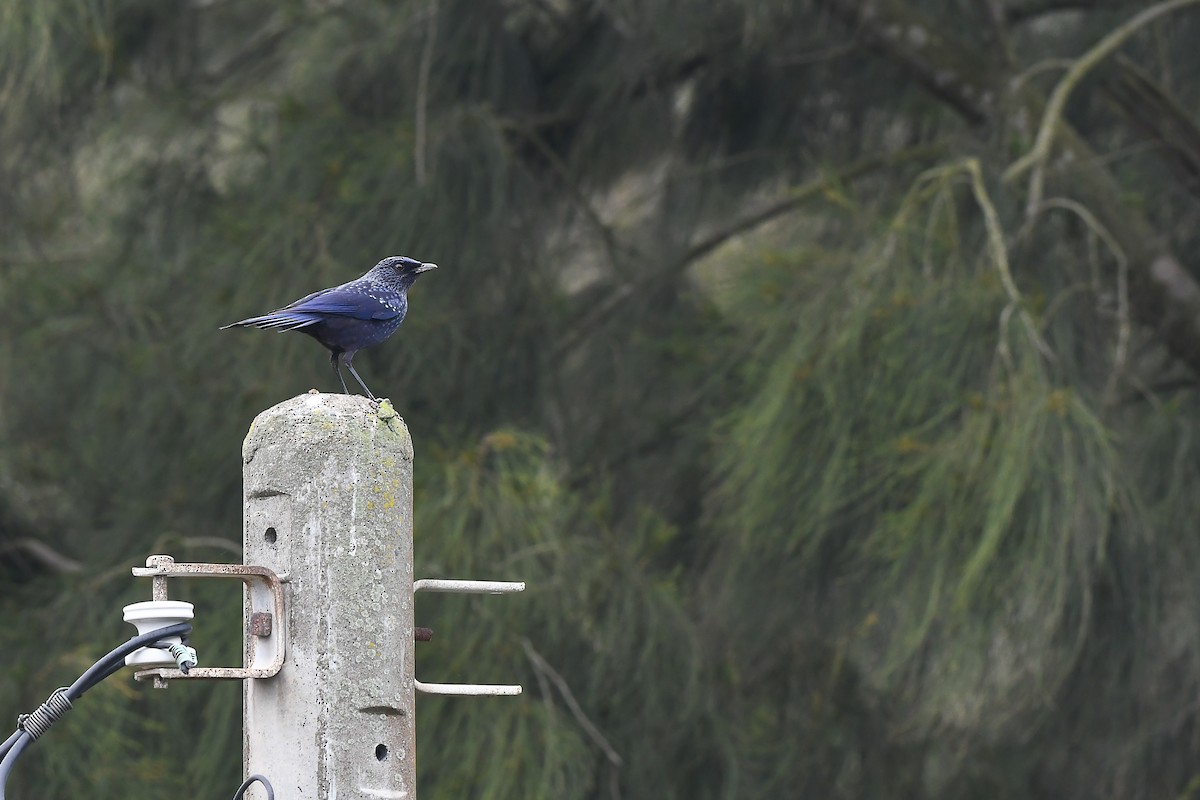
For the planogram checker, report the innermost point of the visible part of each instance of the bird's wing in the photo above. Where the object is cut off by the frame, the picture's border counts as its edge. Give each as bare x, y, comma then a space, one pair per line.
353, 303
340, 301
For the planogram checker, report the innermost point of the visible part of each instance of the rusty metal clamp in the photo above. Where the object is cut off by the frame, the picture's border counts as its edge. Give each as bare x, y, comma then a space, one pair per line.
267, 623
467, 587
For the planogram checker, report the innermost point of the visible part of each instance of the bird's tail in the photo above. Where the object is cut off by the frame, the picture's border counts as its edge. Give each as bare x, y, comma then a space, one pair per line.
276, 320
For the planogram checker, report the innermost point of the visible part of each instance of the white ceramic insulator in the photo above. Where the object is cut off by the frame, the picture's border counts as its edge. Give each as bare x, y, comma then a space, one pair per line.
150, 616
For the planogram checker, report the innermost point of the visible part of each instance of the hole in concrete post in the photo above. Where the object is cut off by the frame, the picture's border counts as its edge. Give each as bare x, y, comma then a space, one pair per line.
270, 536
380, 752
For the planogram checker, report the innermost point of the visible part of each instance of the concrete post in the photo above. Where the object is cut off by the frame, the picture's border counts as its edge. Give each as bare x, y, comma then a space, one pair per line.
328, 504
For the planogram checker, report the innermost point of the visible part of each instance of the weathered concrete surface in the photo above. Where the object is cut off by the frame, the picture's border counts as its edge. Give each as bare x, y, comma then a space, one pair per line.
328, 501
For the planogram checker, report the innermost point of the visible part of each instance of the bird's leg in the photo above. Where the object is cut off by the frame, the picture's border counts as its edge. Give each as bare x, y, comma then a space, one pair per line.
350, 366
334, 358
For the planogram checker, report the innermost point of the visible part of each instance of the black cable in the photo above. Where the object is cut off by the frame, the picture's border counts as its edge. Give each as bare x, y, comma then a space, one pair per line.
113, 670
43, 717
9, 742
116, 658
23, 741
241, 791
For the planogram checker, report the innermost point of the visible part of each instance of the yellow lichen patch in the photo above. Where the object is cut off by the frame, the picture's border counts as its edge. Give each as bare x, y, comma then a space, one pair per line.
386, 410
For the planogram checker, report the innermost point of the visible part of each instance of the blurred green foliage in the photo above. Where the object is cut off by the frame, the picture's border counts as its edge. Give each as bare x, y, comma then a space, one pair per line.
811, 502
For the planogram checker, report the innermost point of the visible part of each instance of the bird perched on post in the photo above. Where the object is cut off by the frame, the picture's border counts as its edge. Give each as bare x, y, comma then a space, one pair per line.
352, 316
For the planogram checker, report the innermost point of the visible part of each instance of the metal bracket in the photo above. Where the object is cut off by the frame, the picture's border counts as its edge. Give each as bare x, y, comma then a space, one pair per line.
467, 587
266, 621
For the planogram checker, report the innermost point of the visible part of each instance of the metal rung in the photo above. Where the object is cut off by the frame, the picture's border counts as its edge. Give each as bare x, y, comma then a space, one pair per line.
468, 587
476, 689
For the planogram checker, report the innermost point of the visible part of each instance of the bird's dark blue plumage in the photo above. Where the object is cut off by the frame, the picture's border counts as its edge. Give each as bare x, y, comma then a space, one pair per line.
352, 316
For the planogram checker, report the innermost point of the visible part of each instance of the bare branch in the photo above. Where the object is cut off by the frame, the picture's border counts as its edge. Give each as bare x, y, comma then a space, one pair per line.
1035, 159
614, 758
800, 195
944, 67
791, 200
1000, 253
43, 554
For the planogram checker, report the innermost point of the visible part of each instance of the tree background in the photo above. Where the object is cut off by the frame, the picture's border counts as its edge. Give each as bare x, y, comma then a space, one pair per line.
827, 368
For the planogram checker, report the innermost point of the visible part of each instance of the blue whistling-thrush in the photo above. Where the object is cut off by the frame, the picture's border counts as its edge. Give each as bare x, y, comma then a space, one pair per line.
352, 316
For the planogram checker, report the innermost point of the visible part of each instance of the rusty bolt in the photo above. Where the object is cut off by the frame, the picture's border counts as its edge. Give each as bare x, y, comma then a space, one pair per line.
260, 623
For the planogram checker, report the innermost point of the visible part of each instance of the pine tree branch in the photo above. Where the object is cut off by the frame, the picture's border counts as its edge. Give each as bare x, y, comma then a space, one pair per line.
1163, 293
792, 200
1035, 159
799, 196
